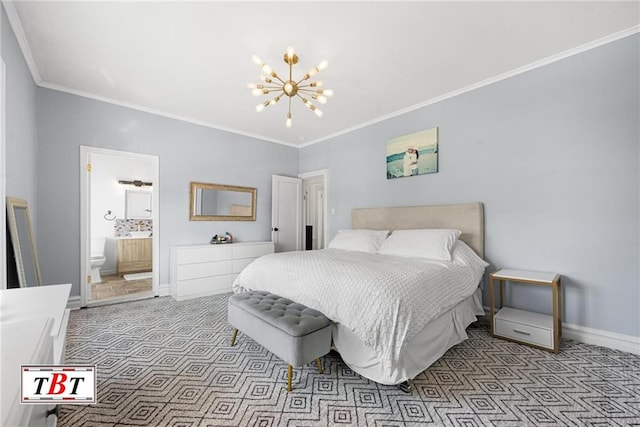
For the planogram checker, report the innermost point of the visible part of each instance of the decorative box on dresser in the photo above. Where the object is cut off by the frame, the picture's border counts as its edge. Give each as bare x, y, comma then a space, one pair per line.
200, 270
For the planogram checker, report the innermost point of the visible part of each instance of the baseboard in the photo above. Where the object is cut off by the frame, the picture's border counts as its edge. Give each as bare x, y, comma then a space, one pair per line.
163, 290
611, 340
74, 303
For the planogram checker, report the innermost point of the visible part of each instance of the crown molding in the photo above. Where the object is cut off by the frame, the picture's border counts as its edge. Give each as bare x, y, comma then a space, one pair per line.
14, 20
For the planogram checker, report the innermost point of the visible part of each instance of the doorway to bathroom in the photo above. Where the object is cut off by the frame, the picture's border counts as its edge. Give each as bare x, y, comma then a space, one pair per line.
119, 226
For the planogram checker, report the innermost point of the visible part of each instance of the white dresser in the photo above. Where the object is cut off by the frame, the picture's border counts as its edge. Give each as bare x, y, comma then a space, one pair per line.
200, 270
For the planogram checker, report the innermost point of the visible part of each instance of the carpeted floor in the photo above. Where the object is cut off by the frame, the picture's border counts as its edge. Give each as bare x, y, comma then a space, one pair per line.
167, 363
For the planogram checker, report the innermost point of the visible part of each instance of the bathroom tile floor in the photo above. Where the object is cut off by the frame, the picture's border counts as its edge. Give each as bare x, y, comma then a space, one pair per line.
116, 286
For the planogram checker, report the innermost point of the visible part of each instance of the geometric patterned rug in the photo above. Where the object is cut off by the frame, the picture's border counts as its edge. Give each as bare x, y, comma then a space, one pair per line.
166, 363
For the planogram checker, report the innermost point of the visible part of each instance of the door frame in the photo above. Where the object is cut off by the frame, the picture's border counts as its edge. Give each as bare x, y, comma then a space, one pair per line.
85, 221
324, 173
3, 176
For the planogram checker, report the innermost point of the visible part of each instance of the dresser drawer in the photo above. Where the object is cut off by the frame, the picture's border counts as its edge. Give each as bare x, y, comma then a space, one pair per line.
204, 286
535, 335
204, 269
252, 251
204, 254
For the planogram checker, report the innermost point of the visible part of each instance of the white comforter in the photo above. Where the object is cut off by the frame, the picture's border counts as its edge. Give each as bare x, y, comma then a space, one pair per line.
384, 300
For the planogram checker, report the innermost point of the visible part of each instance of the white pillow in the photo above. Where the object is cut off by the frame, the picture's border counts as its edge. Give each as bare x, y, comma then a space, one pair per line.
359, 240
463, 254
433, 243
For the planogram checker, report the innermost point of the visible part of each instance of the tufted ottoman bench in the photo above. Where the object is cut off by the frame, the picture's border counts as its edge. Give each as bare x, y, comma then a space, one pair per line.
293, 332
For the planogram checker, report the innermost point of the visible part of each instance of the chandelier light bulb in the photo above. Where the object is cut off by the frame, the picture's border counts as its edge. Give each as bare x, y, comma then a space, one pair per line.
266, 69
290, 52
290, 86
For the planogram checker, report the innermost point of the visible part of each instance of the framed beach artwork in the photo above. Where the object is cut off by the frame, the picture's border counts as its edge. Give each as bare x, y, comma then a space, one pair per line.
413, 154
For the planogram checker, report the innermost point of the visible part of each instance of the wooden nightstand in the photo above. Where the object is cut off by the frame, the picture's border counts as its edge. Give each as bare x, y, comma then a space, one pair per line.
534, 329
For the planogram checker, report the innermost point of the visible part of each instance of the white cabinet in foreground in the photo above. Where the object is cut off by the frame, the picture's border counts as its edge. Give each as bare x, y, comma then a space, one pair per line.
36, 302
200, 270
33, 327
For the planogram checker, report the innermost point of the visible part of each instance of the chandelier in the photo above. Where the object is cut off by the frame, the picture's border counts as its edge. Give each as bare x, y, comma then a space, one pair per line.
272, 83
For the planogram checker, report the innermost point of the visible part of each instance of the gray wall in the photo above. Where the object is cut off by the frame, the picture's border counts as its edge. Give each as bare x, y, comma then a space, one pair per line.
21, 142
187, 153
554, 156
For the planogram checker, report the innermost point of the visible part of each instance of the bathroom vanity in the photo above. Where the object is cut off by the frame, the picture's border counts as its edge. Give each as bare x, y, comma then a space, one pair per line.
135, 255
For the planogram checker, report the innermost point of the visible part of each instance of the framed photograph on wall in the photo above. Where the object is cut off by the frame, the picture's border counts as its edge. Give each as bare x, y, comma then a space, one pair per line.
413, 154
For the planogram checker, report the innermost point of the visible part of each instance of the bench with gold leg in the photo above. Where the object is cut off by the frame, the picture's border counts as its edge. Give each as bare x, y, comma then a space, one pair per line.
293, 332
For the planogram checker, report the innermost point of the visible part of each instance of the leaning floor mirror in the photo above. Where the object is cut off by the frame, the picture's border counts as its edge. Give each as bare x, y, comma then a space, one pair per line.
23, 242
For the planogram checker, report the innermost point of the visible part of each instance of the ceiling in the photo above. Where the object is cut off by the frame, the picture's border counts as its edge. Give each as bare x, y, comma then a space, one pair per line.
192, 60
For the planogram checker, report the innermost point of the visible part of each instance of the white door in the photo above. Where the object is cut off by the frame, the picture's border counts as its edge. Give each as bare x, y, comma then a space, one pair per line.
286, 216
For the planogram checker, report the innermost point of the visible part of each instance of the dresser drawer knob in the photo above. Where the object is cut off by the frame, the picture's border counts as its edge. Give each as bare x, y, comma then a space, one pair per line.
521, 332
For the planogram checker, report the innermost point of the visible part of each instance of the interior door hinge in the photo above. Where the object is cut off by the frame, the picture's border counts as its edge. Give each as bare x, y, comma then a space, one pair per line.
89, 279
88, 167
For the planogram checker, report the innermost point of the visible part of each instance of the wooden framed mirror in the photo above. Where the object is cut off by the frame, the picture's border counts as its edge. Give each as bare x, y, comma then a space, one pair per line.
218, 202
23, 242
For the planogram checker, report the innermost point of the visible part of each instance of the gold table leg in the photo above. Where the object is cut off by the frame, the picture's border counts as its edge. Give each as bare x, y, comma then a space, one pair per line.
319, 363
289, 375
491, 302
233, 338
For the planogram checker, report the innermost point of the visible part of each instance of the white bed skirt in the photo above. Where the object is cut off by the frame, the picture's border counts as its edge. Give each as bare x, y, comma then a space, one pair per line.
419, 353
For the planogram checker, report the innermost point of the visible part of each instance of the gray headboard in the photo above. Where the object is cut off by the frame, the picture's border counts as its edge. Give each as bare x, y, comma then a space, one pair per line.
466, 217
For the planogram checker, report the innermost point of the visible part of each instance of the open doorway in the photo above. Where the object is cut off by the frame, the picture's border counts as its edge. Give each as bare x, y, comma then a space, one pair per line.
119, 225
314, 210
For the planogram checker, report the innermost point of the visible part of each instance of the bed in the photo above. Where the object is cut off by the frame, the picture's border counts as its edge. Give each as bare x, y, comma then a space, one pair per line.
393, 315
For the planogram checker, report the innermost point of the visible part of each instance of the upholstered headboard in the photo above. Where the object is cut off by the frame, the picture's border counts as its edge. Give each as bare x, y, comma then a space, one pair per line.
467, 217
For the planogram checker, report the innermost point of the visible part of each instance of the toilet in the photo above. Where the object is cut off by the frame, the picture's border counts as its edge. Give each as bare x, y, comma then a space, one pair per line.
97, 259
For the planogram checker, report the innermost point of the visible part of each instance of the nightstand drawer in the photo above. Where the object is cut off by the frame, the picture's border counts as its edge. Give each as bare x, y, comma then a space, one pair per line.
531, 334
